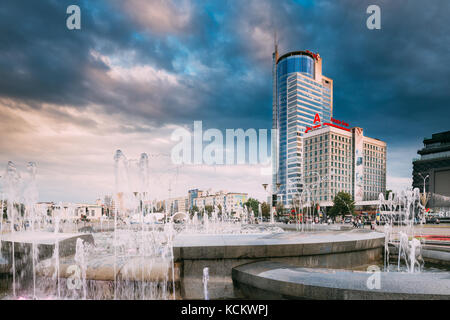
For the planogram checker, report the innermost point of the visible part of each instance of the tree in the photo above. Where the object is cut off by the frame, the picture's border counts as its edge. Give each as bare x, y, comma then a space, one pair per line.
194, 209
209, 209
386, 194
265, 208
4, 213
254, 204
280, 209
342, 204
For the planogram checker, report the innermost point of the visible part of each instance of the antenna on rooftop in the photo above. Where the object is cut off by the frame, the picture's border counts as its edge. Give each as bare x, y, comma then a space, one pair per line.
275, 44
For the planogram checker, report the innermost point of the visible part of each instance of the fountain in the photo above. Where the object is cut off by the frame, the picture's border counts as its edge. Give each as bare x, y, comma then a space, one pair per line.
149, 255
400, 212
205, 282
134, 260
260, 213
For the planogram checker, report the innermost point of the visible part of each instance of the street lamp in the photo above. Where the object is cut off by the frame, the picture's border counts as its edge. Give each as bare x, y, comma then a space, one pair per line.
276, 200
267, 195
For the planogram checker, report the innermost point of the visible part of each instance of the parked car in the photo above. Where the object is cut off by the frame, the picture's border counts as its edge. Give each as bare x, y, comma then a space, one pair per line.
284, 219
433, 220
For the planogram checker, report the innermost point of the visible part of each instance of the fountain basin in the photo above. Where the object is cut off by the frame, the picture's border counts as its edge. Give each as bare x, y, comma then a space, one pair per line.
103, 269
274, 280
435, 254
45, 243
222, 253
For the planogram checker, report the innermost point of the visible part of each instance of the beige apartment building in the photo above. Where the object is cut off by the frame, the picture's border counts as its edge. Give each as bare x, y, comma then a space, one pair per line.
343, 159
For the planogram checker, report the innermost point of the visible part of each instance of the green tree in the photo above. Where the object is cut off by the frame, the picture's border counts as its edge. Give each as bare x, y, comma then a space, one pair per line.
194, 209
252, 203
209, 209
265, 208
280, 209
386, 194
342, 204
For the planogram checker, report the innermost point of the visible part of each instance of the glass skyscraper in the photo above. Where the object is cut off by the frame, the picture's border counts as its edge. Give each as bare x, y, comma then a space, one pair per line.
300, 92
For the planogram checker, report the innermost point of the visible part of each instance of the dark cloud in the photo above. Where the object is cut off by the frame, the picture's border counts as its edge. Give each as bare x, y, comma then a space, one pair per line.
393, 81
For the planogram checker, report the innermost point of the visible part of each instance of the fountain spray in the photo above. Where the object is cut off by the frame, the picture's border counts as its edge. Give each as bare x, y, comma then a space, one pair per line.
205, 282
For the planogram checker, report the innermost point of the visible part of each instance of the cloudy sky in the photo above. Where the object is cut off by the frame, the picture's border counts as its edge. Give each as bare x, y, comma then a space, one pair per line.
139, 69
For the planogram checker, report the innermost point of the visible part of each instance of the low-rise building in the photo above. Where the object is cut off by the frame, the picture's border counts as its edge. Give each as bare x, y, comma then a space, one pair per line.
91, 211
228, 201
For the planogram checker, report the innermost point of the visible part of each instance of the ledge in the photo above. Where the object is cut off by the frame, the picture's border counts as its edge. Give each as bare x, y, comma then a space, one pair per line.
273, 280
288, 244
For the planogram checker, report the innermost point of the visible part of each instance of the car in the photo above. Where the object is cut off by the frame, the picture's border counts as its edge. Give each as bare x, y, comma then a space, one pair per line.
347, 220
433, 220
284, 220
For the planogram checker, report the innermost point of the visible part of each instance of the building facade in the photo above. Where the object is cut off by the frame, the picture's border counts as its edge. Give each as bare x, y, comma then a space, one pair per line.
70, 211
338, 158
228, 201
193, 194
434, 161
300, 91
174, 205
91, 211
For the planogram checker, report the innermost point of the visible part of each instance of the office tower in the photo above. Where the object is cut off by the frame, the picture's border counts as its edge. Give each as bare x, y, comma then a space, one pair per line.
300, 91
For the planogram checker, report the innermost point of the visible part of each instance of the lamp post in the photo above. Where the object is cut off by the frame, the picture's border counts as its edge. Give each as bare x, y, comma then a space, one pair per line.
276, 202
267, 195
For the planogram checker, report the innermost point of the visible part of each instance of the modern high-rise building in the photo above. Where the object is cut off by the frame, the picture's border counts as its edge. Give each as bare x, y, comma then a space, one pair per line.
338, 158
300, 91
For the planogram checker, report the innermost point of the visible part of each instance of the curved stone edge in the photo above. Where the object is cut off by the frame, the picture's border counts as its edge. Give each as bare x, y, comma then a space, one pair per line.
433, 254
45, 250
133, 269
264, 247
273, 280
314, 227
45, 246
436, 256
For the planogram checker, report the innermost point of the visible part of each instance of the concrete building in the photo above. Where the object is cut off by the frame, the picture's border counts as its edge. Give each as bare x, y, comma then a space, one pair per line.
229, 201
193, 194
300, 91
180, 204
173, 205
91, 211
45, 207
434, 162
339, 158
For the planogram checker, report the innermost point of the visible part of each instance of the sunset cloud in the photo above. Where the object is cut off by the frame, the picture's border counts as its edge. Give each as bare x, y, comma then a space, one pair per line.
137, 70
